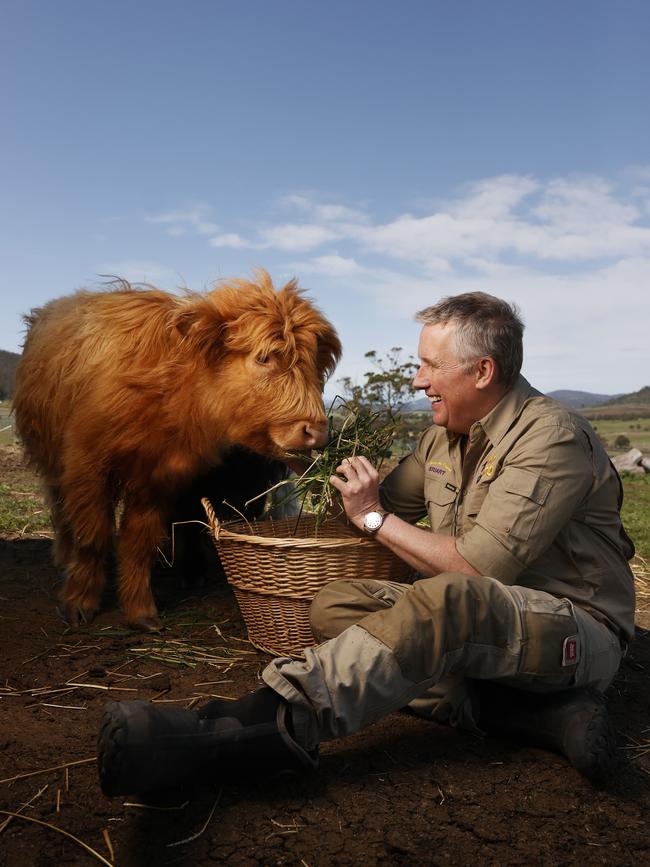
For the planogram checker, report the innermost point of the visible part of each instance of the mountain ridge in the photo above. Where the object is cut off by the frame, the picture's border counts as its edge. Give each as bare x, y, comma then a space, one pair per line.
572, 397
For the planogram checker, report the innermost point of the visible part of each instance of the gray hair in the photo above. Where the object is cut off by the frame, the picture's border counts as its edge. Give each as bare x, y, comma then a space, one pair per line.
485, 326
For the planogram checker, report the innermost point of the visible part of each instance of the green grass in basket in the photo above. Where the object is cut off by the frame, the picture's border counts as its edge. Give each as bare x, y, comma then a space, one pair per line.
350, 433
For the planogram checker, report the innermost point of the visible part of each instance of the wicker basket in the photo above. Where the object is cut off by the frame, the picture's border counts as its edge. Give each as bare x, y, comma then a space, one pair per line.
276, 568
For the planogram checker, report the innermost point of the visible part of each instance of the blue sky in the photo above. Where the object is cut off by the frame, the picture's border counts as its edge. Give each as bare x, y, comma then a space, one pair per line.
385, 153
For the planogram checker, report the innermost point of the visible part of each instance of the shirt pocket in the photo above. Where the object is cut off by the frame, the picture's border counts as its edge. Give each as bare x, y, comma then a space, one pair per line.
474, 500
440, 501
518, 496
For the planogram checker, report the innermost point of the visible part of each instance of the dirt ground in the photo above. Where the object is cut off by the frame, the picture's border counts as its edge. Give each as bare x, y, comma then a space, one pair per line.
403, 792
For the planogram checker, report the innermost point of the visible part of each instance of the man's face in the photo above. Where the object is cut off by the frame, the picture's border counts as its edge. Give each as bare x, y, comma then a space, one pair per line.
454, 397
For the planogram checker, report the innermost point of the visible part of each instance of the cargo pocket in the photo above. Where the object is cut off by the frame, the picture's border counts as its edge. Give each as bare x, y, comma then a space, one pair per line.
551, 641
440, 499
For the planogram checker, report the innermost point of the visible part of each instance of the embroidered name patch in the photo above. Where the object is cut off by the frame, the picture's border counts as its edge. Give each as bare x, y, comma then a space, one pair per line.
438, 468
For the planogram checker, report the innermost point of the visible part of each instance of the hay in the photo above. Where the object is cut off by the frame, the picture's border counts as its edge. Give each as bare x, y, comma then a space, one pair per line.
351, 433
641, 571
178, 652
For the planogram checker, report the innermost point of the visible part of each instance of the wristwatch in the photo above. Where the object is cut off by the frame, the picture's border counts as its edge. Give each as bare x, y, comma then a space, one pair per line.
372, 521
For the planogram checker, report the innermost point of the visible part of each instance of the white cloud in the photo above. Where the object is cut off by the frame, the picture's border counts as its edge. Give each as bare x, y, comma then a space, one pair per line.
296, 236
330, 266
493, 198
564, 221
583, 205
573, 252
322, 211
231, 239
195, 218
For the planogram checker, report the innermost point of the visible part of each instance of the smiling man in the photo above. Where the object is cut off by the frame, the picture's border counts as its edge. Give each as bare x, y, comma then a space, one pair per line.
518, 623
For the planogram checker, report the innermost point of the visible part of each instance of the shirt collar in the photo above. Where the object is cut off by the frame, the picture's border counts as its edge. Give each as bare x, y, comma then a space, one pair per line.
500, 419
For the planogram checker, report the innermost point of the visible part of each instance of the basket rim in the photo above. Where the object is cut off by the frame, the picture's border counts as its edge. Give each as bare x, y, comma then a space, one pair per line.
219, 530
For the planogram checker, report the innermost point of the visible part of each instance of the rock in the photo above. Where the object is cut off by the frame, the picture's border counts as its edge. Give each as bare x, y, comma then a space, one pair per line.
629, 462
635, 471
645, 463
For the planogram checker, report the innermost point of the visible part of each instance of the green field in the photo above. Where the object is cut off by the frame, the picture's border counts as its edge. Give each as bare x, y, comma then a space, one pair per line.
6, 427
22, 511
636, 512
637, 430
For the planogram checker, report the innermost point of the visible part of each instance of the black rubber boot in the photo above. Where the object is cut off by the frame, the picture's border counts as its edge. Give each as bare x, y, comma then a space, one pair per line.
144, 747
573, 723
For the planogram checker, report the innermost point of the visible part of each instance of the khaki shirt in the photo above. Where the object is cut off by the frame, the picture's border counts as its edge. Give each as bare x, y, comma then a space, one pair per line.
535, 501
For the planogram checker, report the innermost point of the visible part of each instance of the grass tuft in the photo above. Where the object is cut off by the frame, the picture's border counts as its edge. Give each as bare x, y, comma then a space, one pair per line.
351, 433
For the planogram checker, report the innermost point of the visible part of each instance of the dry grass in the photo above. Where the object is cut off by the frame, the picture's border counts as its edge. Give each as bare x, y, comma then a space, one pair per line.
641, 570
351, 433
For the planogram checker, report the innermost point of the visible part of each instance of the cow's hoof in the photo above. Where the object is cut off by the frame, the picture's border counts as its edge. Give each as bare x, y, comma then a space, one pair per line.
77, 617
146, 624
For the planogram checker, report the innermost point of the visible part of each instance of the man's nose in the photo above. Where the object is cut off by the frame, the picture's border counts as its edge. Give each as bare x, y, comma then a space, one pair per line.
420, 380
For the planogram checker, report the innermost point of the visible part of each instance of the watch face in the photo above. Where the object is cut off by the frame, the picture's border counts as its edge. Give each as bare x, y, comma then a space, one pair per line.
373, 521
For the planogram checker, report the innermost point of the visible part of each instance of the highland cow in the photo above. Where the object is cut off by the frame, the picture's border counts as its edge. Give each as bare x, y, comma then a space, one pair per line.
124, 396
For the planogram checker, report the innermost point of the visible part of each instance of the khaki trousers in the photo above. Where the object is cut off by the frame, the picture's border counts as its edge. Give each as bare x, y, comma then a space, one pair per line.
385, 645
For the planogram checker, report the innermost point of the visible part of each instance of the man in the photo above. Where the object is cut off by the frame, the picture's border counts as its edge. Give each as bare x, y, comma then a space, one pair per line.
519, 625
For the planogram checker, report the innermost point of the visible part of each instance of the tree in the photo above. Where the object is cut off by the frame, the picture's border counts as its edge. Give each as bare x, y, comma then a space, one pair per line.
385, 391
387, 388
622, 442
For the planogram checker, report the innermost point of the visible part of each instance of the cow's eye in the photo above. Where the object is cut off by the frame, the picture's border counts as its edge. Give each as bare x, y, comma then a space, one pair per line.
264, 360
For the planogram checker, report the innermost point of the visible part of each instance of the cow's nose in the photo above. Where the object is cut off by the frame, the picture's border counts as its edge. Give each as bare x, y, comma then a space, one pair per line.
315, 434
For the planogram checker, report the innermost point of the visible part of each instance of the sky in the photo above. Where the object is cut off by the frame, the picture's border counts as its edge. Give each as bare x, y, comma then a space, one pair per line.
387, 154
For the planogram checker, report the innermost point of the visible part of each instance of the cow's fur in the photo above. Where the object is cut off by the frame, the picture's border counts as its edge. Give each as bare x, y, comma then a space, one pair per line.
236, 489
124, 396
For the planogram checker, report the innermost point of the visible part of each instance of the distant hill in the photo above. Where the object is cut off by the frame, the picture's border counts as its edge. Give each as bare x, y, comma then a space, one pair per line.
421, 405
8, 363
571, 397
575, 399
623, 406
636, 397
579, 399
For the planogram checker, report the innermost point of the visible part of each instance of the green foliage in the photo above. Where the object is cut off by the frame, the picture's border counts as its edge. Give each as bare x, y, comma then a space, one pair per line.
387, 388
622, 442
639, 435
8, 364
22, 511
636, 512
6, 424
366, 421
385, 391
352, 432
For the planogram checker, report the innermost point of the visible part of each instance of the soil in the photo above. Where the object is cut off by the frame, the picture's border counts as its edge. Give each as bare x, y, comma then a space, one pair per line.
405, 791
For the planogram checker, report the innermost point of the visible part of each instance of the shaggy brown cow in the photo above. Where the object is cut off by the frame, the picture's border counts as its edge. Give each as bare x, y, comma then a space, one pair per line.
123, 396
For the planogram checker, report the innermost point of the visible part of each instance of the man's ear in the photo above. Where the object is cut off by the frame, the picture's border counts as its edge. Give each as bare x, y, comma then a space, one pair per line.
486, 372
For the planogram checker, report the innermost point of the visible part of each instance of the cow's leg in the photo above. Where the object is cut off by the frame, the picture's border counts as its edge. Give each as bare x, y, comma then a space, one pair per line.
63, 536
141, 529
85, 516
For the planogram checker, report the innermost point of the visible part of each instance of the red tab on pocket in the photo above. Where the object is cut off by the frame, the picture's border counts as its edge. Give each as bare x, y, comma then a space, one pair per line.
571, 650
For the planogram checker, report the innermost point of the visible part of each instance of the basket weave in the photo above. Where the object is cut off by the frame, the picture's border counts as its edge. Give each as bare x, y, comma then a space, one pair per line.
276, 567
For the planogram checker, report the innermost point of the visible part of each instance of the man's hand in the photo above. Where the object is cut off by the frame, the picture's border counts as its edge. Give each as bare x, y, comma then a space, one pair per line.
359, 488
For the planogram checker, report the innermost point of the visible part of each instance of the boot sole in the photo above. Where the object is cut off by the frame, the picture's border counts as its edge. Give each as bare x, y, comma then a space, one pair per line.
118, 725
600, 760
